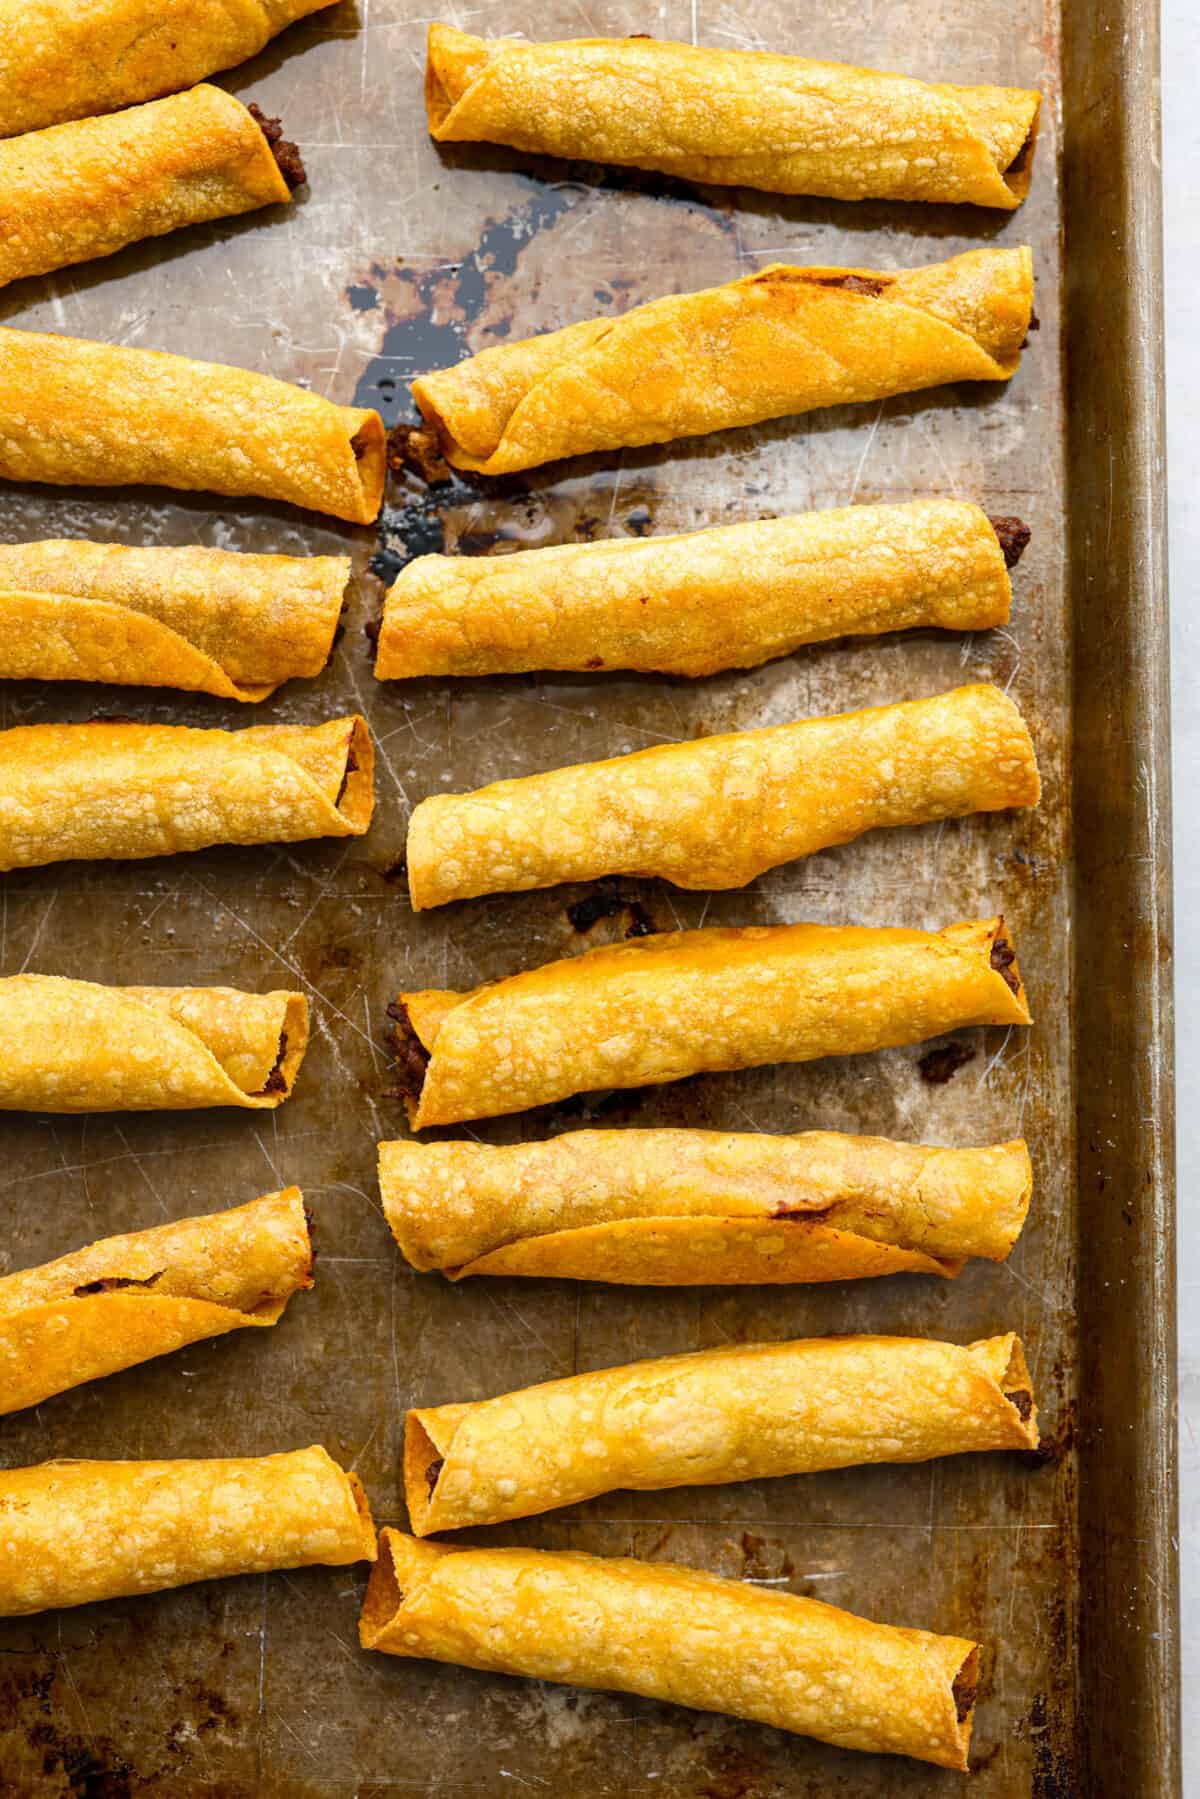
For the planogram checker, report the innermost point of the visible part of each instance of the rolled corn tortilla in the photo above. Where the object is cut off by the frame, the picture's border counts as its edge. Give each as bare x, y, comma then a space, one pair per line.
87, 414
783, 340
65, 61
210, 621
129, 790
741, 1412
75, 1532
73, 1046
715, 812
707, 1208
693, 604
693, 1002
679, 1634
735, 117
194, 156
127, 1299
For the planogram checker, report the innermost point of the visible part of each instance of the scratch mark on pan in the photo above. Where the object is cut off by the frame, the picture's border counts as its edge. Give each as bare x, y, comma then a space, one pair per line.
862, 461
136, 1159
37, 935
269, 1159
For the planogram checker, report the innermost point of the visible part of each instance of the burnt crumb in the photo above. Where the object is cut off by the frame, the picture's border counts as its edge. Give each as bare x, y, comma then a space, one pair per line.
1023, 1401
433, 1473
1002, 958
1020, 161
412, 1058
853, 284
1035, 324
276, 1081
397, 870
1014, 535
964, 1690
114, 1283
937, 1066
638, 521
286, 154
416, 447
588, 911
371, 631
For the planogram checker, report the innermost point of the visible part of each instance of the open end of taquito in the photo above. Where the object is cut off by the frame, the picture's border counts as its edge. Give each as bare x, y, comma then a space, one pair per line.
369, 448
280, 1078
339, 757
393, 1580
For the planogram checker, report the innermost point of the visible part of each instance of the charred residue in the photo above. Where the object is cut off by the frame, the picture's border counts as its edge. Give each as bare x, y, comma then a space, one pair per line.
941, 1064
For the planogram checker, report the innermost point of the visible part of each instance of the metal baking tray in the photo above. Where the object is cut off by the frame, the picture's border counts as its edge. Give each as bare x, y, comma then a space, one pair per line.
399, 259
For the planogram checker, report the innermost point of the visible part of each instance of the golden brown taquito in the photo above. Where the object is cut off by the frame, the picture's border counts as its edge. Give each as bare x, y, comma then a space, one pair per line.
74, 1532
746, 1411
64, 61
73, 1046
100, 415
715, 812
692, 604
190, 157
735, 117
783, 340
702, 1208
693, 1002
129, 790
212, 621
127, 1299
679, 1634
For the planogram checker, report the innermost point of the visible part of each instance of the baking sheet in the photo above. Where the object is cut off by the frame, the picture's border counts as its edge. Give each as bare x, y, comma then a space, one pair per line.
400, 258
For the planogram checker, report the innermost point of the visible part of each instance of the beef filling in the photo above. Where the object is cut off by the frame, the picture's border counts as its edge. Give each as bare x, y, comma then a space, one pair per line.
1023, 1402
1014, 535
412, 1058
416, 447
1002, 958
276, 1082
351, 768
853, 284
113, 1283
285, 153
432, 1473
1020, 161
966, 1686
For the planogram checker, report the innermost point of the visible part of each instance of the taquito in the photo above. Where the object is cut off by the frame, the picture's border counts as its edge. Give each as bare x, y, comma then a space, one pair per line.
79, 413
746, 1411
67, 62
87, 188
694, 1002
715, 812
780, 341
127, 1299
72, 1046
702, 601
654, 1208
735, 118
211, 621
129, 790
74, 1532
679, 1634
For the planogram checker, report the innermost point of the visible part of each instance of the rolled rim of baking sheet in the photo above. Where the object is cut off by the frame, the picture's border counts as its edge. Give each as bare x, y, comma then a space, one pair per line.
676, 1633
746, 1411
126, 1299
750, 118
672, 1207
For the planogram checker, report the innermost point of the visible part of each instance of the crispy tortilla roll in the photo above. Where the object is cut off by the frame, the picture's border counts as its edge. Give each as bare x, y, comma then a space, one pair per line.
716, 812
678, 1634
74, 1532
79, 413
694, 1002
211, 621
71, 1046
84, 189
735, 118
781, 341
66, 61
745, 1412
702, 1208
692, 604
127, 1299
128, 790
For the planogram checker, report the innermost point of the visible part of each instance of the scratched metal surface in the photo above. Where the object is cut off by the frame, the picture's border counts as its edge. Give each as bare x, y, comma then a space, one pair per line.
399, 259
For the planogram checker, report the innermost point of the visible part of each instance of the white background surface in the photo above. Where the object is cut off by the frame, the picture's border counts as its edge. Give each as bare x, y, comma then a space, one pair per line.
1181, 172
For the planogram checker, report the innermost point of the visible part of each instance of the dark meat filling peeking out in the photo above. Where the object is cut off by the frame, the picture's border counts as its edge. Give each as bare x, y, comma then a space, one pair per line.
1014, 535
412, 1058
286, 155
113, 1283
433, 1472
276, 1082
416, 447
1002, 958
1020, 161
1023, 1402
966, 1686
350, 769
853, 284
